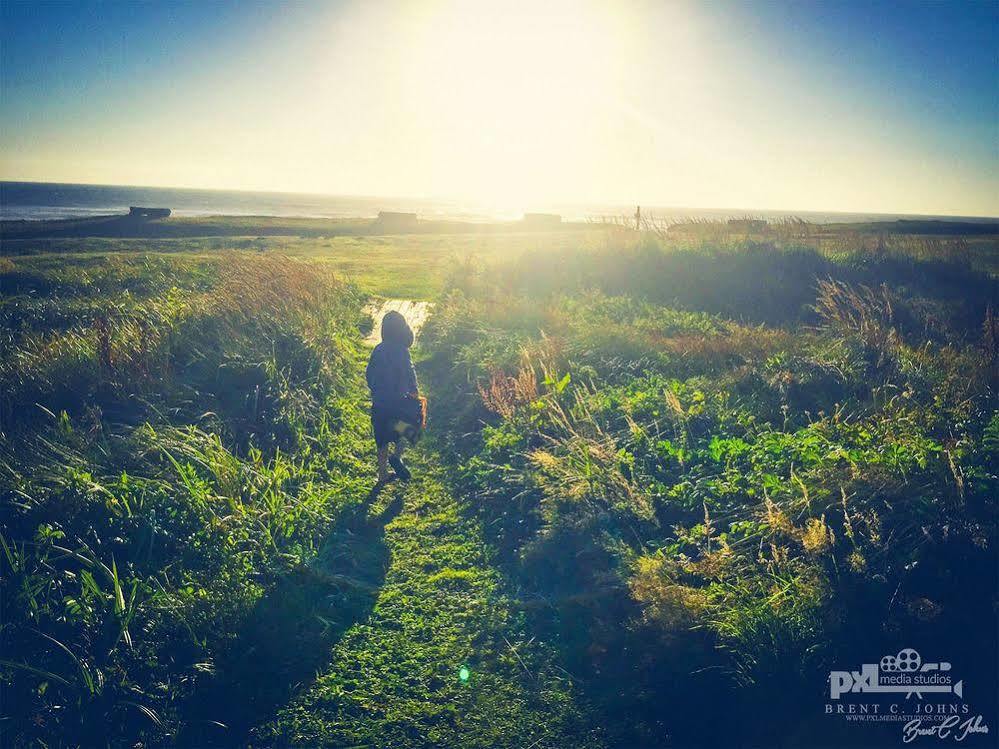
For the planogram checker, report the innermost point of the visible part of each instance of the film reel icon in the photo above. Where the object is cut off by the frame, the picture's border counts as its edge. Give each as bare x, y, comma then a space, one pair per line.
908, 660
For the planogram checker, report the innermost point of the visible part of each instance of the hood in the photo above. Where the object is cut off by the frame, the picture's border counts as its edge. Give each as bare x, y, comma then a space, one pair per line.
396, 330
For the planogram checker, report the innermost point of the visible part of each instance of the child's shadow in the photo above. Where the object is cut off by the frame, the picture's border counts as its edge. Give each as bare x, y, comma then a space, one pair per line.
291, 632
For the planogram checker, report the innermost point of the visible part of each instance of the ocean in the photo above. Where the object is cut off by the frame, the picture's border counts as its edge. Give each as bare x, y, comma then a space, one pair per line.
46, 200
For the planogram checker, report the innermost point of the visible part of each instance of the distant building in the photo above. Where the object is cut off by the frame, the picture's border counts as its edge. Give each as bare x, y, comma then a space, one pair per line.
542, 220
395, 221
747, 224
137, 212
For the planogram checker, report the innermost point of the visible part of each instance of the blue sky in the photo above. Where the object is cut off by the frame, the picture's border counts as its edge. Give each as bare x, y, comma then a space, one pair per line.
855, 106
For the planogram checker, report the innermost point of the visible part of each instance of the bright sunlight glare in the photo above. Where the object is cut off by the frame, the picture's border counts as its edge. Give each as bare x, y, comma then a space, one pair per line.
517, 97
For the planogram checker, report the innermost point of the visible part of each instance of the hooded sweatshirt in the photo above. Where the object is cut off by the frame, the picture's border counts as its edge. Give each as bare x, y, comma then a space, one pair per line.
390, 371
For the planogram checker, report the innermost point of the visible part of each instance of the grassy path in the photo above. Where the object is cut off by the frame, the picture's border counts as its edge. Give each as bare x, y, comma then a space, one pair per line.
393, 679
415, 312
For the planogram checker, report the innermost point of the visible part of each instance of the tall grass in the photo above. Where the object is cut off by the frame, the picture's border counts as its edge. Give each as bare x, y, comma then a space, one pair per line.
753, 462
161, 465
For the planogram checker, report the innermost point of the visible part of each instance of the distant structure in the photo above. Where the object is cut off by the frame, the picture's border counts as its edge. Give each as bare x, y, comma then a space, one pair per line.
747, 224
395, 221
638, 218
137, 212
542, 220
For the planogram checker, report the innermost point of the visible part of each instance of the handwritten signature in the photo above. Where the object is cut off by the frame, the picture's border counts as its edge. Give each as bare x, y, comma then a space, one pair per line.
951, 727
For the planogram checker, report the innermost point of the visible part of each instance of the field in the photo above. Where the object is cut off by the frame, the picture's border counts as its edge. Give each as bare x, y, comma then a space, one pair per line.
412, 266
671, 480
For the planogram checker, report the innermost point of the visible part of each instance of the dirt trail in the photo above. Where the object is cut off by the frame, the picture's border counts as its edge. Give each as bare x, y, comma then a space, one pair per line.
416, 313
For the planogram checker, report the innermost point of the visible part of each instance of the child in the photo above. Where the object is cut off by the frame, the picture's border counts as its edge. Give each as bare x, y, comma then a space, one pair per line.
392, 379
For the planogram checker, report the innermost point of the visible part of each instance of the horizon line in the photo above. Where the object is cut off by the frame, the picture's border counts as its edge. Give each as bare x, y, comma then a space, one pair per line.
609, 203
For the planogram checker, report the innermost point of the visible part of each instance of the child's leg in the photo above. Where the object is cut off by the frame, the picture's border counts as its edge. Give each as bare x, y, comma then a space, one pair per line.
383, 474
396, 460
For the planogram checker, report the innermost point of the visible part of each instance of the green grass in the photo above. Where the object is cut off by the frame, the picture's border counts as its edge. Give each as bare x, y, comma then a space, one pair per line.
185, 457
393, 679
664, 481
410, 266
164, 460
722, 464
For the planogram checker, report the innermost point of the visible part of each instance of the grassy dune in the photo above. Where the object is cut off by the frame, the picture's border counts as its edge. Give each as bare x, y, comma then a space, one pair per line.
166, 455
735, 468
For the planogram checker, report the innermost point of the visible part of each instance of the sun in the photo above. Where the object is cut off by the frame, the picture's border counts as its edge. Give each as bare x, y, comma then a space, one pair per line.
514, 96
